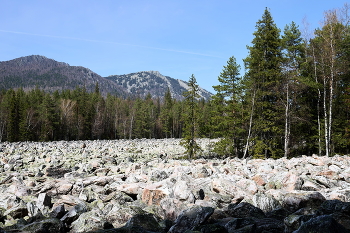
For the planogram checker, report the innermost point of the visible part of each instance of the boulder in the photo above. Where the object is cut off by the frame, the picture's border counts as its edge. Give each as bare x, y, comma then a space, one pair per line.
51, 225
191, 218
74, 213
323, 223
245, 210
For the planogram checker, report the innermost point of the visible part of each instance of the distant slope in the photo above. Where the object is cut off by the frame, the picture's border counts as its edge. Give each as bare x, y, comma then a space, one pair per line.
50, 75
142, 83
38, 71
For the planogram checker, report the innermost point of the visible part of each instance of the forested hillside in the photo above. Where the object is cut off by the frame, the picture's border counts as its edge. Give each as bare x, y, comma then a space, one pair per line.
144, 82
38, 71
293, 99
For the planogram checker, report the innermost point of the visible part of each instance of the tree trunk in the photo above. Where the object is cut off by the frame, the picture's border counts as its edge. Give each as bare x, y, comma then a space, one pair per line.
287, 127
250, 126
318, 103
326, 130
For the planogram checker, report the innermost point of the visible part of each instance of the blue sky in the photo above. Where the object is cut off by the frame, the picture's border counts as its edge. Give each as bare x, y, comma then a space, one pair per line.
177, 38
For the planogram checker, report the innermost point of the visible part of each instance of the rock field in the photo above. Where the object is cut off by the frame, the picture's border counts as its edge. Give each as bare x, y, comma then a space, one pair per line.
141, 186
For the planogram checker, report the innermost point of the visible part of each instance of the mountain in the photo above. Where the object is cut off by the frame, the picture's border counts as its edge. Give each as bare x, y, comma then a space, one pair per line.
47, 74
142, 83
38, 71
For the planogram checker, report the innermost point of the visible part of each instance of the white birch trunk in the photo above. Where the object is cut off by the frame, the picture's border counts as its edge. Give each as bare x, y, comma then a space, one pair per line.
287, 127
250, 127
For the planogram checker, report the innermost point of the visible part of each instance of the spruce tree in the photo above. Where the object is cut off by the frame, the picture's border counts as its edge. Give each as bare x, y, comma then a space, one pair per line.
167, 114
263, 76
230, 121
190, 119
293, 58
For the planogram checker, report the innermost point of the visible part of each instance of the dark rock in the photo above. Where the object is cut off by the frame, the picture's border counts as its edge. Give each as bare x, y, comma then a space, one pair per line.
246, 229
293, 222
245, 210
74, 213
331, 206
58, 212
57, 172
51, 225
19, 211
279, 213
211, 228
191, 218
146, 221
269, 225
296, 200
322, 224
238, 223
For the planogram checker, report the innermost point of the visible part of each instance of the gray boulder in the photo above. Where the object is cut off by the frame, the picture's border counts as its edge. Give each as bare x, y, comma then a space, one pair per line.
191, 218
323, 223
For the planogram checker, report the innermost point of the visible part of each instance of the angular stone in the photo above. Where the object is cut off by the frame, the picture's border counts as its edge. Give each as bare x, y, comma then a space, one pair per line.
265, 202
43, 200
191, 218
300, 199
147, 222
74, 213
245, 210
18, 211
51, 225
323, 223
57, 172
153, 197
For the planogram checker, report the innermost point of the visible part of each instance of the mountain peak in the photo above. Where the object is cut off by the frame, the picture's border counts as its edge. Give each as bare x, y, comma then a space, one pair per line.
34, 71
153, 82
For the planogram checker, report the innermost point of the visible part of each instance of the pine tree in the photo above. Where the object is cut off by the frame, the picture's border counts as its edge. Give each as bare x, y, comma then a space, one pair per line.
190, 118
11, 105
48, 119
263, 66
229, 94
293, 57
167, 114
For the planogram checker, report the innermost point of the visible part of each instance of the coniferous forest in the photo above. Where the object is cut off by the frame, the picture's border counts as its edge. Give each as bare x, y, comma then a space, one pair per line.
293, 99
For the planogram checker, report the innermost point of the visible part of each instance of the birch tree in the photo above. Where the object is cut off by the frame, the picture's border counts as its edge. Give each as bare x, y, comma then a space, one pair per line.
293, 56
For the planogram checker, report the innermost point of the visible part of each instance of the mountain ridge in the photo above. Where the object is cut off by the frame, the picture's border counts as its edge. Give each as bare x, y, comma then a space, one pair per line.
50, 75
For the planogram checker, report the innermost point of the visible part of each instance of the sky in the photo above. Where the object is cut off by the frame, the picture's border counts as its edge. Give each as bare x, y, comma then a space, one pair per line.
178, 38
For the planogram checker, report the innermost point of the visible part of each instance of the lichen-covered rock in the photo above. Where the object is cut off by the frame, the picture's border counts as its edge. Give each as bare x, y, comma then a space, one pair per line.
191, 218
265, 202
51, 225
146, 221
89, 221
323, 223
245, 210
74, 213
119, 179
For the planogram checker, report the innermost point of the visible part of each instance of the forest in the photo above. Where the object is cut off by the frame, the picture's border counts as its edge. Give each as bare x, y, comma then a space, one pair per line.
292, 100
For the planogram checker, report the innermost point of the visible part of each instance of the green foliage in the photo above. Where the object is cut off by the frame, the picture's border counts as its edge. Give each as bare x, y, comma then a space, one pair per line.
229, 110
190, 118
294, 99
263, 77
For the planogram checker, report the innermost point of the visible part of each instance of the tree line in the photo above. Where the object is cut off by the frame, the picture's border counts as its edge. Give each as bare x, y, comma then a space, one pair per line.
293, 99
81, 115
294, 96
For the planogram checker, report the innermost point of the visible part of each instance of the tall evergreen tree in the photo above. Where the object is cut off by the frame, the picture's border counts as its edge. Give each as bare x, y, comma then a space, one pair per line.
190, 119
167, 114
11, 105
230, 94
293, 57
264, 76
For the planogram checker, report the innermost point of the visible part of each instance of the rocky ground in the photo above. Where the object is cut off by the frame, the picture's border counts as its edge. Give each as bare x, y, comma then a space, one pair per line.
141, 186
